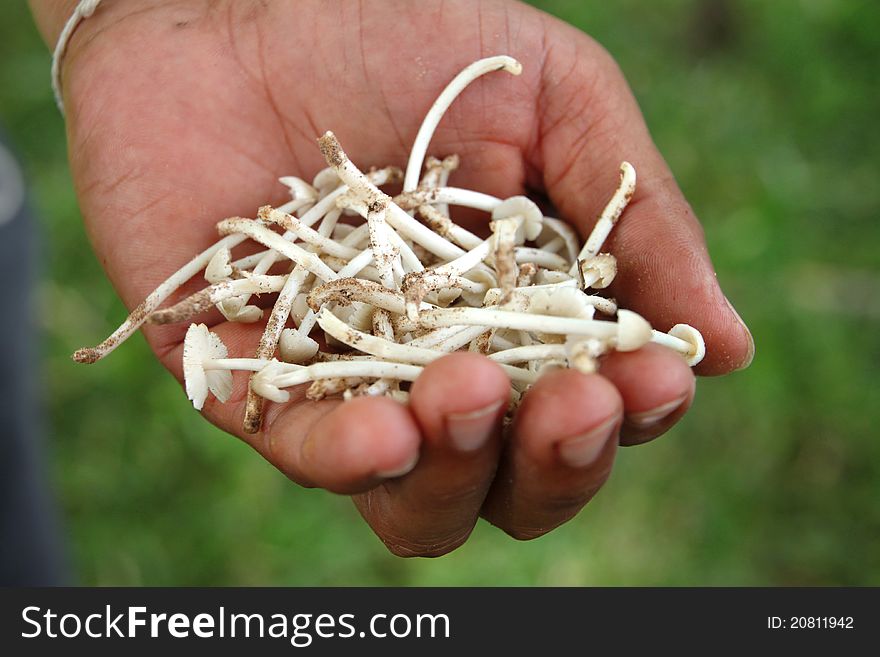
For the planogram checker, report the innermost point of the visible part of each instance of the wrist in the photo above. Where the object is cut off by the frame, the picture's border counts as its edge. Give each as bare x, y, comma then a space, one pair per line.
50, 17
69, 26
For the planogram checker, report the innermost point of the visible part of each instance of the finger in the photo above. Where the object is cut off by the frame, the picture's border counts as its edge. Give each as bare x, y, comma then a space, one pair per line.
350, 449
458, 403
657, 388
590, 123
560, 454
345, 448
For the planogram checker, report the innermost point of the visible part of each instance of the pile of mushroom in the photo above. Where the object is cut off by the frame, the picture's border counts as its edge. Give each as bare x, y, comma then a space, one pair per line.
362, 306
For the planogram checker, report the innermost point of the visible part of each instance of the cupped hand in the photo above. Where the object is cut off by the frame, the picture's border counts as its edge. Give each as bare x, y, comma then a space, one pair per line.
184, 112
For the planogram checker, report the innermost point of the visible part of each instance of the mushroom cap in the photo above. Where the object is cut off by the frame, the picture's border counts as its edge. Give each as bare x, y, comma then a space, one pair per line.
561, 302
551, 276
633, 331
201, 345
220, 266
603, 265
300, 190
521, 206
234, 310
517, 301
553, 228
294, 347
478, 275
446, 295
300, 306
694, 338
509, 64
582, 353
326, 180
263, 383
361, 317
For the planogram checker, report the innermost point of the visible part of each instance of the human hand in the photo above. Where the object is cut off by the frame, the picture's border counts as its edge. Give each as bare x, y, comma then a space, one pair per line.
184, 112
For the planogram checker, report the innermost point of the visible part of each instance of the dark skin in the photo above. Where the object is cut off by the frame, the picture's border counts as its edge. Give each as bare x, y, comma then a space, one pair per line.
184, 112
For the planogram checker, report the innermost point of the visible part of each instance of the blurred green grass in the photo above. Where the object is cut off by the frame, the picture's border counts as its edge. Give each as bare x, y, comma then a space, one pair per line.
767, 113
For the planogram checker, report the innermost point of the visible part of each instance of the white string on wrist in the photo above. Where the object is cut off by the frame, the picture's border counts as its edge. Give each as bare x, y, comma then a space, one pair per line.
83, 10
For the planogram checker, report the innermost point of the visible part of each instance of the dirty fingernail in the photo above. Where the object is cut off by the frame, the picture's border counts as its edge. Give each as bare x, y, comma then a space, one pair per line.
581, 451
470, 431
645, 419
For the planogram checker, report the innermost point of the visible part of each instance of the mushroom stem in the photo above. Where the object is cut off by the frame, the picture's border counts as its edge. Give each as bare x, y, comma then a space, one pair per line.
610, 214
443, 225
384, 254
204, 299
237, 364
466, 198
295, 227
388, 350
625, 339
259, 233
271, 379
444, 100
346, 290
437, 175
143, 310
528, 353
397, 217
540, 257
684, 339
253, 414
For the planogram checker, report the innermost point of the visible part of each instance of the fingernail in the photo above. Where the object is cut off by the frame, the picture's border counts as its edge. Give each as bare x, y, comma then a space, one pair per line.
581, 451
750, 355
649, 418
470, 431
399, 472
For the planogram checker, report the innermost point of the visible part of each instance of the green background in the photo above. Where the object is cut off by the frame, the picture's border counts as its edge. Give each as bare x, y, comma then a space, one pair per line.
767, 113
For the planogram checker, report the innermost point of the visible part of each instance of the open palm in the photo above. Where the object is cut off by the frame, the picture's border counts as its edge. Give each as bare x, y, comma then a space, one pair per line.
186, 112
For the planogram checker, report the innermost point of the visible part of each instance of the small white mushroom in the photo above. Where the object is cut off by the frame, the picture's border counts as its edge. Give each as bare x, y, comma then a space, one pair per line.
598, 271
205, 366
560, 302
235, 309
396, 216
444, 100
684, 339
295, 226
300, 191
385, 349
503, 241
583, 354
271, 380
466, 198
139, 315
610, 214
260, 233
553, 277
253, 414
294, 347
629, 333
563, 231
532, 220
219, 269
214, 294
325, 181
540, 257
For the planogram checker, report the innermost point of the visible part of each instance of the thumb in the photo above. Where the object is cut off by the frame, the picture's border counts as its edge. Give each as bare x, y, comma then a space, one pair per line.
590, 123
